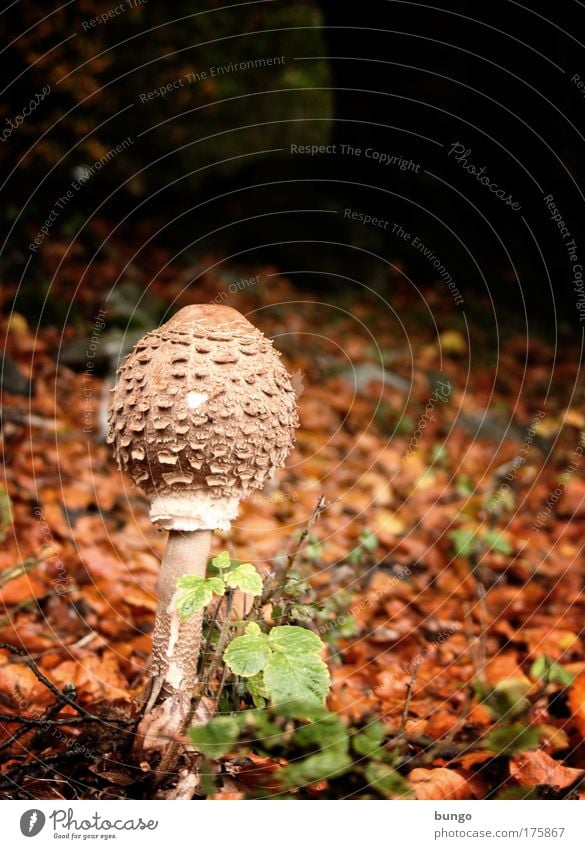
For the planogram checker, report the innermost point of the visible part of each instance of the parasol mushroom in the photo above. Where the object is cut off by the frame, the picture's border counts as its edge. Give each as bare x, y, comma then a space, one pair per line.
203, 412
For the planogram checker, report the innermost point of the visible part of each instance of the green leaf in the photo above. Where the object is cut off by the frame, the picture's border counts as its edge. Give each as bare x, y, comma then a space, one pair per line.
497, 542
507, 700
463, 541
257, 689
294, 641
348, 628
548, 670
296, 677
387, 782
307, 711
514, 793
246, 578
5, 513
222, 560
197, 593
217, 737
303, 612
295, 586
314, 547
463, 485
512, 739
370, 741
369, 540
325, 732
247, 655
258, 723
328, 763
216, 585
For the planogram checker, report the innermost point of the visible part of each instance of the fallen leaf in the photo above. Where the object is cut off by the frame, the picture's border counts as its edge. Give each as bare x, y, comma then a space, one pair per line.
577, 703
533, 768
439, 784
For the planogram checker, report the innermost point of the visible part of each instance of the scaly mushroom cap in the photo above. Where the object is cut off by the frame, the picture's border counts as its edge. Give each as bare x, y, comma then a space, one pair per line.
202, 414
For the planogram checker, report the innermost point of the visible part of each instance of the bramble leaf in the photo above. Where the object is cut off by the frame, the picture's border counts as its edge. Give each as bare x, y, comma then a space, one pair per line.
546, 669
512, 739
369, 741
296, 677
197, 593
387, 782
247, 655
294, 641
222, 560
217, 737
329, 763
257, 689
246, 578
464, 541
497, 542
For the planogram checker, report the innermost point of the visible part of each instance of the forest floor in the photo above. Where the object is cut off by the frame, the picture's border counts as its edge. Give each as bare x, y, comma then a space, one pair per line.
448, 564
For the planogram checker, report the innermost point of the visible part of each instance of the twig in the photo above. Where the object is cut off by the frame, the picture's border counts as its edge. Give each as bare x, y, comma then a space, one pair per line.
483, 629
51, 713
32, 722
468, 702
27, 565
221, 684
212, 624
7, 784
23, 605
408, 697
322, 504
223, 636
20, 732
60, 695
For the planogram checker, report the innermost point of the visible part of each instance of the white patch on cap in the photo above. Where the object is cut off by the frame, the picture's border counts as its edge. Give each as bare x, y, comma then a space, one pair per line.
196, 399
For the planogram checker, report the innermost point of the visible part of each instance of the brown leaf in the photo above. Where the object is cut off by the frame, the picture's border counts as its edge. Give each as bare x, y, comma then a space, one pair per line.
533, 768
439, 784
577, 703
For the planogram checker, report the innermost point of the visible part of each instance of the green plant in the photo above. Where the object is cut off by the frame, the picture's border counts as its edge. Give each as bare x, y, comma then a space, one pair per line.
197, 592
270, 684
367, 544
283, 664
276, 664
303, 744
548, 671
472, 542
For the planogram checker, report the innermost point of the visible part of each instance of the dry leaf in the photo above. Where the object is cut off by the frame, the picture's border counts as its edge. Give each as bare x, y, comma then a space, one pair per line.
439, 784
533, 768
577, 703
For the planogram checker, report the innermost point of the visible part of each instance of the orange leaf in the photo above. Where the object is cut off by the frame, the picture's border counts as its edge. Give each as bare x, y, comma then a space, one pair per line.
577, 703
439, 784
21, 690
533, 768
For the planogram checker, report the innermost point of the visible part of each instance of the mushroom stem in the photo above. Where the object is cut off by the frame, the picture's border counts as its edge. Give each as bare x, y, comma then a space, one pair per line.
176, 642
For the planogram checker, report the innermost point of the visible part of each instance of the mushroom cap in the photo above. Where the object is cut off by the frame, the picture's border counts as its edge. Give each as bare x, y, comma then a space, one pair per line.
203, 412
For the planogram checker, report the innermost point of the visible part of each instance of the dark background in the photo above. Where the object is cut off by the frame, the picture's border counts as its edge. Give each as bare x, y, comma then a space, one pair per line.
405, 78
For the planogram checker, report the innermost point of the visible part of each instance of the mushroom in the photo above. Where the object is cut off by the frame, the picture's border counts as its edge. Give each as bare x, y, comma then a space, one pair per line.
203, 412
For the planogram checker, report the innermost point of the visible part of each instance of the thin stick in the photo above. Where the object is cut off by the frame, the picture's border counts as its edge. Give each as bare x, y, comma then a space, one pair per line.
212, 624
322, 504
223, 637
408, 697
13, 572
59, 694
